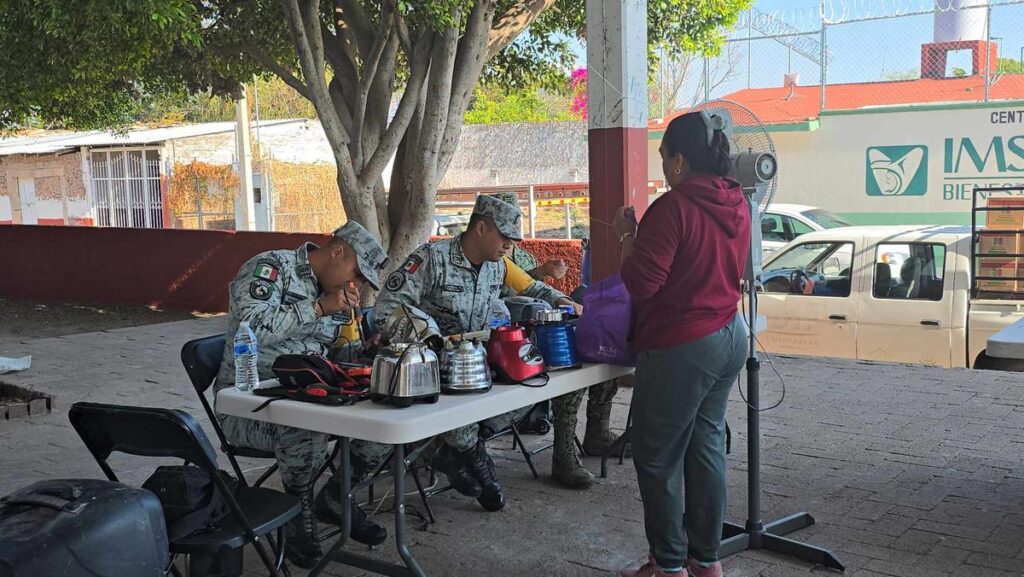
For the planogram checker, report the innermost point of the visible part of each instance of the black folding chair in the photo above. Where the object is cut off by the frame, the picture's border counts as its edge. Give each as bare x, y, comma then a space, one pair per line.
202, 359
152, 432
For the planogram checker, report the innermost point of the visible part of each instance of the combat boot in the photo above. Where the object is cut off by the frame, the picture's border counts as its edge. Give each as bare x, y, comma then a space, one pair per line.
480, 465
328, 510
599, 437
301, 545
566, 467
455, 467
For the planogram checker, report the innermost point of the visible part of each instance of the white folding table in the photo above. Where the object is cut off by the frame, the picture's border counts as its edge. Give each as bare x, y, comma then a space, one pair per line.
381, 423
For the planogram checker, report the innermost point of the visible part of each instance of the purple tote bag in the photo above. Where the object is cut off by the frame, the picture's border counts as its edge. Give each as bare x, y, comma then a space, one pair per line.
602, 333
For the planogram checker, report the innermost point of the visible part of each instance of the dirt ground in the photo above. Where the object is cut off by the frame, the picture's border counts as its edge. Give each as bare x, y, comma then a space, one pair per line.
26, 320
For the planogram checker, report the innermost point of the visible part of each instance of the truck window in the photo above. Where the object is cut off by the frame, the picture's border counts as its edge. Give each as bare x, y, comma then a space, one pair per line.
811, 269
909, 271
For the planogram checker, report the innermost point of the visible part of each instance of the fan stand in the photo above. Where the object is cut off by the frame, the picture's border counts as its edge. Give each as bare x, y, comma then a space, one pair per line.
756, 534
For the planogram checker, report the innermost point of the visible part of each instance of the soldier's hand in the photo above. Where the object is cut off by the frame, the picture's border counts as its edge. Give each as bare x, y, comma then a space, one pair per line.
340, 300
577, 308
555, 268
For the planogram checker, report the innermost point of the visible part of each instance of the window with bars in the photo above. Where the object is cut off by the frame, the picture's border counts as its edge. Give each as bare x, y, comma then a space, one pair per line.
126, 188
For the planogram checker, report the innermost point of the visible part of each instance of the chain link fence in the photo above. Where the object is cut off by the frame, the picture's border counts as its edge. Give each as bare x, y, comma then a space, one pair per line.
857, 53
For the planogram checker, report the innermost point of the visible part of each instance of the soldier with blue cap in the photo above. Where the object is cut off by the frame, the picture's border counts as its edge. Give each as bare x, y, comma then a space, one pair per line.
300, 301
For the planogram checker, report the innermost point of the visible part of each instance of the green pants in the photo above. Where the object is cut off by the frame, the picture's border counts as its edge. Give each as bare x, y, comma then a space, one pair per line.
679, 401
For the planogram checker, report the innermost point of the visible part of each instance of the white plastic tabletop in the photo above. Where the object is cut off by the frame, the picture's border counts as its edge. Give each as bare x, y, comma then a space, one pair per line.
383, 423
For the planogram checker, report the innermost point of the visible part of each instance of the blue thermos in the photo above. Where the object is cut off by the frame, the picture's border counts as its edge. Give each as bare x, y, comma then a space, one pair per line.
556, 339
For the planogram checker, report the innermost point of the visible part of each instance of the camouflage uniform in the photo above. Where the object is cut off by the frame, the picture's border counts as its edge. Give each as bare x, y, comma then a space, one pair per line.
565, 464
438, 279
275, 292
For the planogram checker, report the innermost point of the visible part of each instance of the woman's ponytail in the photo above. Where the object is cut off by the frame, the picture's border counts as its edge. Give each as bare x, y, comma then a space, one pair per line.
718, 154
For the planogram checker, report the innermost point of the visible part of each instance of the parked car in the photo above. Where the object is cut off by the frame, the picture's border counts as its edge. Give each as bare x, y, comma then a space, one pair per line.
782, 223
834, 293
450, 224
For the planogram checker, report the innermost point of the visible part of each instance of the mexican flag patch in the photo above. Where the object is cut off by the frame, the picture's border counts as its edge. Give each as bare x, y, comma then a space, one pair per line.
266, 272
412, 264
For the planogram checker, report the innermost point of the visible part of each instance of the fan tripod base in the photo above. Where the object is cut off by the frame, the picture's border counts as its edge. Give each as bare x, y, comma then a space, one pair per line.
770, 537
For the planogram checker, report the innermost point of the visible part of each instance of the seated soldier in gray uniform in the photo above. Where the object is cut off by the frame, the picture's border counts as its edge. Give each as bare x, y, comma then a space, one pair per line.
455, 281
566, 467
297, 301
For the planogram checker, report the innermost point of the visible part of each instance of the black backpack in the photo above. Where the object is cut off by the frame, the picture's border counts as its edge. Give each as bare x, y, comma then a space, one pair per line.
189, 497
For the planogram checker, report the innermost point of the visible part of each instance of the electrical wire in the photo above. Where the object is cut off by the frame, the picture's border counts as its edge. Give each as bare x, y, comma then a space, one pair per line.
771, 363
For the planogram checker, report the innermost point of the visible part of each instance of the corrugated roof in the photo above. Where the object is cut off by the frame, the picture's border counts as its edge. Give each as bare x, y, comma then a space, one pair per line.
51, 143
773, 105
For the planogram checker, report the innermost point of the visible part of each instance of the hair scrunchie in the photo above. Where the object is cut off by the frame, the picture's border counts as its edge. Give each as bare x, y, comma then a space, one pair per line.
712, 122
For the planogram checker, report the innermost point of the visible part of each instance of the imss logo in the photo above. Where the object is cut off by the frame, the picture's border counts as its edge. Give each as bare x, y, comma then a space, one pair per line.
897, 170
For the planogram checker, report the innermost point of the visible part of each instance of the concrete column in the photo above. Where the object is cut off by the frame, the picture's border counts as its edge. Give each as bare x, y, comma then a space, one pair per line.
617, 120
245, 215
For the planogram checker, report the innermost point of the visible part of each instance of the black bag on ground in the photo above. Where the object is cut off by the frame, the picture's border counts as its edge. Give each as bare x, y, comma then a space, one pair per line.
190, 499
82, 527
538, 421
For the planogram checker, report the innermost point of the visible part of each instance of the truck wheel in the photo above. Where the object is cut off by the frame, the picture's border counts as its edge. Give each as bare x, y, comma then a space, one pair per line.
987, 363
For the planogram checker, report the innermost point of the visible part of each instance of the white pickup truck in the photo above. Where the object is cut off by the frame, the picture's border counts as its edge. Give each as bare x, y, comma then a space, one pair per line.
884, 293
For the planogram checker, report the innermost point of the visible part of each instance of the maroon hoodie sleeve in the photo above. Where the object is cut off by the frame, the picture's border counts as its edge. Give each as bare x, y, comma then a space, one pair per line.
645, 271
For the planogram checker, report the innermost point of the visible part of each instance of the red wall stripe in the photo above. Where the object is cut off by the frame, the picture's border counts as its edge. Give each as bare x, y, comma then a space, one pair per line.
166, 268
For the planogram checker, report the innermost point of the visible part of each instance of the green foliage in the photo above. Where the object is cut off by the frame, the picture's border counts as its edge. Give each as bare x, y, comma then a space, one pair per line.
1009, 66
543, 54
959, 72
87, 64
494, 106
94, 64
276, 100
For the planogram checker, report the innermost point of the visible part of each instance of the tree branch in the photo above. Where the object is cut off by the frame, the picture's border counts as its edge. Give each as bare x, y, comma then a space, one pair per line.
422, 179
403, 32
276, 67
355, 18
311, 22
468, 66
369, 73
513, 22
339, 54
319, 94
338, 99
406, 108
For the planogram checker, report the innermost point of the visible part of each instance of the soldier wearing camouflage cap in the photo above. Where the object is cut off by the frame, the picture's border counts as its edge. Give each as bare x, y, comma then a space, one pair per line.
299, 301
566, 466
455, 281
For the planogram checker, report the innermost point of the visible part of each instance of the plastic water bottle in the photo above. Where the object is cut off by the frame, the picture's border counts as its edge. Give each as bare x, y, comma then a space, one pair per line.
498, 316
246, 375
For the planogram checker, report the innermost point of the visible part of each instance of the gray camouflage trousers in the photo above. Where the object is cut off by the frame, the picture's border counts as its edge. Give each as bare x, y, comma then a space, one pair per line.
566, 407
300, 453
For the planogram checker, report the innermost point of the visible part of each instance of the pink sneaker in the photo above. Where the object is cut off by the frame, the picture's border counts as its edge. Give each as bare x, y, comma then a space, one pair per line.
695, 570
650, 569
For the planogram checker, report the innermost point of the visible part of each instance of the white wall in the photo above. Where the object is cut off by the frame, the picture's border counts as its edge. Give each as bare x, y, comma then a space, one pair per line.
829, 167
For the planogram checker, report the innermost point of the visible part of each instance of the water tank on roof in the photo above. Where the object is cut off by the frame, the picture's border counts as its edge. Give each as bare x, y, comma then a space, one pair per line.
960, 20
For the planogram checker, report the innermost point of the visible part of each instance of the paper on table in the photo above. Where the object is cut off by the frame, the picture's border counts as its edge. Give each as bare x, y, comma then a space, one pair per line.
9, 365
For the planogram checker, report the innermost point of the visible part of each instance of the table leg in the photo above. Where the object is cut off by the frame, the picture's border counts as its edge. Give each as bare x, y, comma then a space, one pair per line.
346, 506
403, 548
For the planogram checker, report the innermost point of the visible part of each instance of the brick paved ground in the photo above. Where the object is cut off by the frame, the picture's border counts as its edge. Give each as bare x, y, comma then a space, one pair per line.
910, 471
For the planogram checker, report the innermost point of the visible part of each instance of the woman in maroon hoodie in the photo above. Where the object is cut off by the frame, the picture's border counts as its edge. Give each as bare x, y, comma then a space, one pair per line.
683, 270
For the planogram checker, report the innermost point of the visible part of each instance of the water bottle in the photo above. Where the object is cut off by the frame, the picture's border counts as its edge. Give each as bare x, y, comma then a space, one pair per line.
246, 375
498, 316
